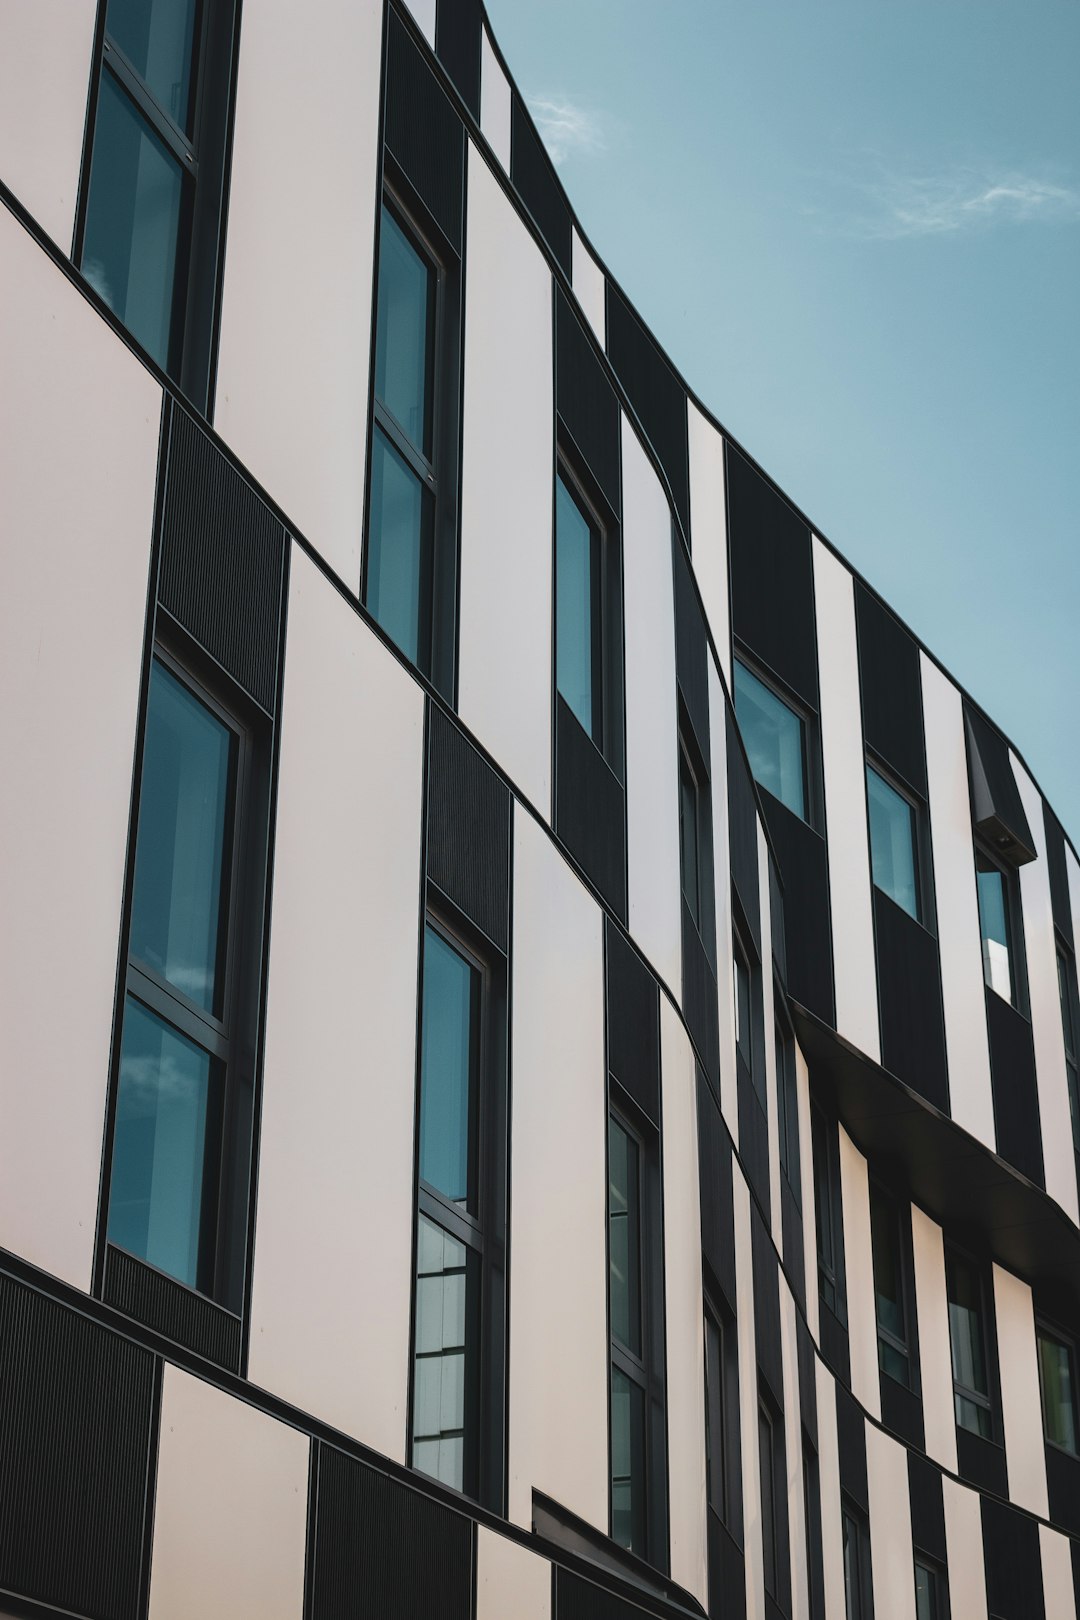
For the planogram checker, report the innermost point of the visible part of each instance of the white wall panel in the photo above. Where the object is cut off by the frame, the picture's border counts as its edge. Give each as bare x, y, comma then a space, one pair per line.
331, 1285
79, 428
508, 468
807, 1191
1059, 1596
45, 53
292, 386
729, 1092
230, 1511
859, 1270
935, 1345
512, 1583
558, 1213
964, 1544
1021, 1403
652, 745
789, 1346
1059, 1161
748, 1401
424, 12
844, 766
684, 1315
891, 1556
832, 1535
963, 994
495, 102
708, 526
590, 287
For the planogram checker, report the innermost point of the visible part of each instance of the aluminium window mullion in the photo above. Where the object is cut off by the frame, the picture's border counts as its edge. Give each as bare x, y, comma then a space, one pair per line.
177, 1014
167, 130
455, 1222
409, 452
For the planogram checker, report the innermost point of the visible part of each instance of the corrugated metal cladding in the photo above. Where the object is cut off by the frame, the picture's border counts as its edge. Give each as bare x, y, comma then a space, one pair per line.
158, 1302
691, 651
586, 402
927, 1507
457, 45
424, 132
1016, 1093
766, 1307
468, 829
851, 1442
538, 185
909, 987
633, 1023
891, 689
578, 1599
1059, 876
742, 819
590, 809
803, 861
656, 394
1014, 1582
717, 1194
384, 1550
699, 995
222, 560
75, 1417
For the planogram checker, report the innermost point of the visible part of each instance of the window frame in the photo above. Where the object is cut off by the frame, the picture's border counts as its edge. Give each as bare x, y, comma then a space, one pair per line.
607, 670
787, 1095
722, 1451
883, 1205
954, 1255
770, 1423
825, 1152
1069, 999
1044, 1327
687, 769
863, 1606
939, 1576
1014, 927
813, 815
920, 841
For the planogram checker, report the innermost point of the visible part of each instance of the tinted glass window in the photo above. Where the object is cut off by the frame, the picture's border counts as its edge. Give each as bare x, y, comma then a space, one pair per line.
399, 550
994, 925
889, 1290
714, 1414
628, 1522
767, 1466
855, 1609
156, 36
824, 1212
403, 333
577, 612
448, 1071
773, 734
1058, 1375
892, 843
926, 1593
967, 1334
787, 1107
688, 835
624, 1237
743, 1029
445, 1286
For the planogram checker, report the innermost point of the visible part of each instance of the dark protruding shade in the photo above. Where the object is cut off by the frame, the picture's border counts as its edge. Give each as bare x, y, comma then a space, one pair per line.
994, 926
624, 1237
967, 1335
577, 613
448, 1068
892, 843
399, 551
1058, 1377
773, 734
403, 333
157, 36
628, 1523
445, 1302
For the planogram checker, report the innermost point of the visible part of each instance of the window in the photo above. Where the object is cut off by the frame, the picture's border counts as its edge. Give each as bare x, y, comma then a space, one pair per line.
716, 1429
774, 735
579, 640
742, 990
183, 1114
996, 925
1066, 969
826, 1211
815, 1579
856, 1536
967, 1333
689, 834
893, 848
770, 1467
890, 1290
787, 1100
151, 217
1057, 1377
931, 1601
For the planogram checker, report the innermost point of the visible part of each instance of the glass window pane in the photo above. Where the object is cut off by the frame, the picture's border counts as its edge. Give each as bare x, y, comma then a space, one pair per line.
403, 333
448, 1071
892, 843
853, 1604
399, 551
133, 221
766, 1464
445, 1287
773, 735
926, 1604
688, 835
156, 1193
994, 926
968, 1345
714, 1415
184, 812
627, 1463
624, 1237
156, 37
1058, 1392
888, 1287
577, 612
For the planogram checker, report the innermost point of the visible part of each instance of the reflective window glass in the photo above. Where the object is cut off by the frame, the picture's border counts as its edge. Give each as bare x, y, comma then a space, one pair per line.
399, 551
824, 1210
715, 1439
156, 1201
577, 612
889, 1290
448, 1071
184, 814
445, 1285
773, 734
853, 1571
1058, 1391
892, 843
926, 1593
156, 36
743, 1029
628, 1524
767, 1468
994, 925
624, 1237
403, 333
688, 835
967, 1335
133, 221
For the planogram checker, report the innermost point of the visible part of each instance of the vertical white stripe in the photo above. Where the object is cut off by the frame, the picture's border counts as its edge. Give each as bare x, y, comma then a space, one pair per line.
769, 1016
590, 287
935, 1346
964, 1543
808, 1193
708, 526
748, 1401
859, 1272
891, 1556
1021, 1403
1059, 1595
495, 101
510, 1580
832, 1535
45, 53
789, 1346
729, 1096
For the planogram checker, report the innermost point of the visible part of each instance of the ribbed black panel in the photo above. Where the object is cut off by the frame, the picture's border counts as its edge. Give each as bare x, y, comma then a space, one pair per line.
766, 1307
717, 1195
981, 1462
776, 913
160, 1303
1015, 1089
656, 394
807, 1378
1063, 1487
804, 867
901, 1411
1058, 870
384, 1550
753, 1135
742, 827
927, 1507
222, 555
1013, 1561
586, 402
457, 45
534, 176
468, 829
691, 655
891, 690
590, 809
423, 131
909, 994
851, 1442
996, 807
727, 1574
792, 1228
75, 1416
700, 998
772, 578
835, 1347
633, 1023
579, 1599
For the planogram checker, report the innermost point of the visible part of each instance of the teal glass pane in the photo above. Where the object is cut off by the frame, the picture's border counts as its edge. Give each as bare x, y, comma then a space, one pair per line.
627, 1463
133, 221
624, 1237
399, 551
892, 843
445, 1284
448, 1070
773, 735
403, 333
1058, 1392
577, 617
994, 926
156, 36
156, 1193
184, 813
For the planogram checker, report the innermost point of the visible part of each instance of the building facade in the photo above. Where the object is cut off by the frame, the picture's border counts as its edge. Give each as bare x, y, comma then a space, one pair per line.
562, 1096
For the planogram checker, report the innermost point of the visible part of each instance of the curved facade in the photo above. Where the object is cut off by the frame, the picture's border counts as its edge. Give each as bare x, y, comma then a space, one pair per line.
541, 1025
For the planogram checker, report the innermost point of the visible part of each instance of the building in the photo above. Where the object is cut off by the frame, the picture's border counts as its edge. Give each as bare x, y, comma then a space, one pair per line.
479, 1154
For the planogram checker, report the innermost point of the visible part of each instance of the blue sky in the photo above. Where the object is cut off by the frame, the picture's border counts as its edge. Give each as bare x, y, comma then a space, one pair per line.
855, 227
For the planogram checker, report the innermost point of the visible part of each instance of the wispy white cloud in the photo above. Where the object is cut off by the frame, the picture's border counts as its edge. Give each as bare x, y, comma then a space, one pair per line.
566, 128
894, 205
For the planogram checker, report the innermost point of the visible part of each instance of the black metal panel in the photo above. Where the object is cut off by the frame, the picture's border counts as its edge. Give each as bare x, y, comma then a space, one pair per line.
538, 185
1063, 1489
753, 1135
424, 132
1058, 870
777, 918
633, 1023
909, 996
656, 394
766, 1307
996, 807
851, 1443
804, 868
742, 832
587, 403
161, 1303
727, 1573
700, 997
1015, 1088
222, 558
981, 1462
579, 1599
891, 685
794, 1255
927, 1507
457, 45
807, 1378
717, 1194
1013, 1561
835, 1347
691, 650
590, 808
772, 578
902, 1411
76, 1407
381, 1549
468, 829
